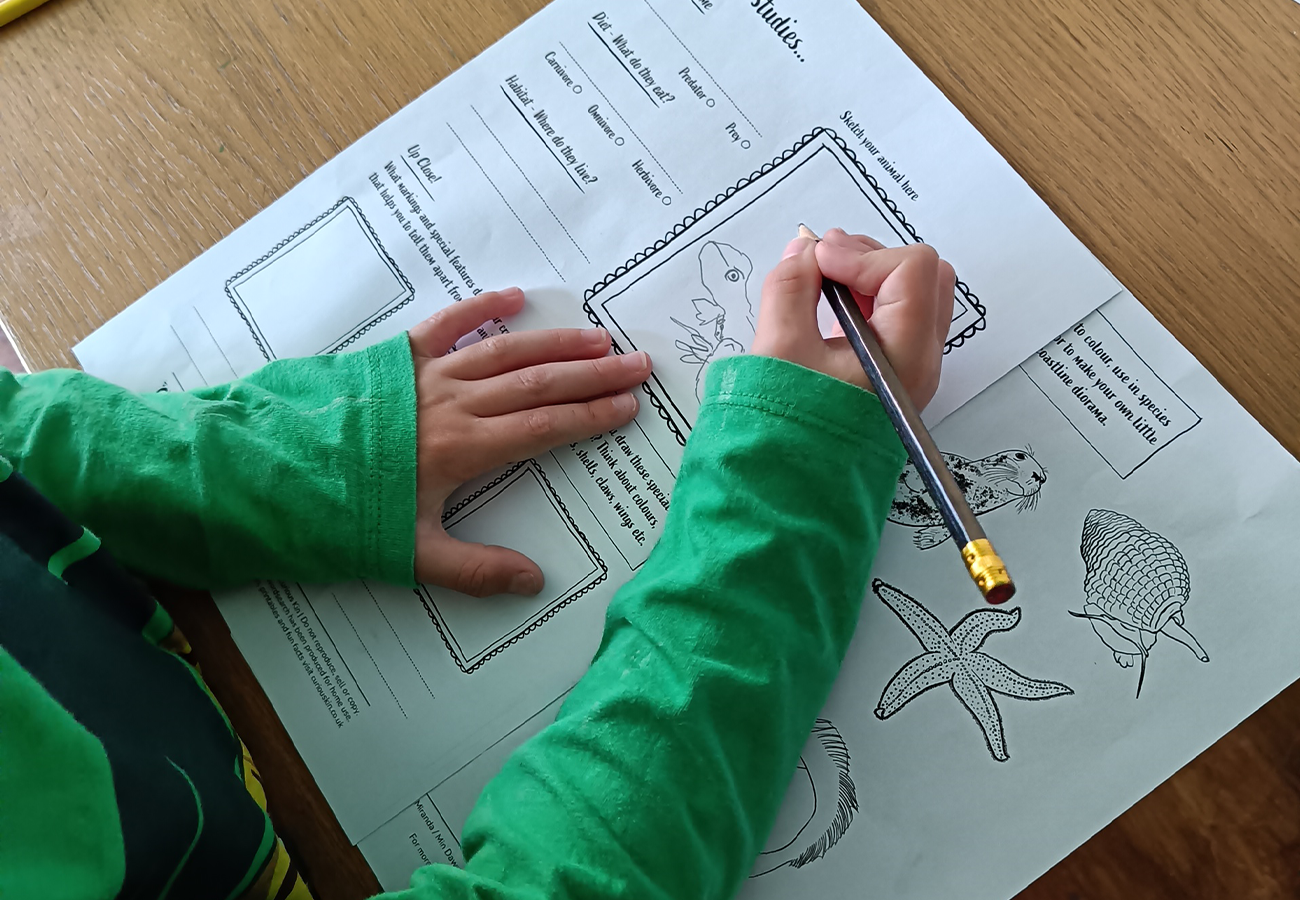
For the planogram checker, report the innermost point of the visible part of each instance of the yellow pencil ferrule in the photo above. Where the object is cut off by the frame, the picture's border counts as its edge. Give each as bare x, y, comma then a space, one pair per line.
988, 571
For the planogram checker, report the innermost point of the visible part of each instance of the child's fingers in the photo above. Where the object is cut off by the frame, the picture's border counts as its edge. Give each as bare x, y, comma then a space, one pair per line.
479, 570
559, 383
909, 294
436, 335
787, 316
908, 321
865, 272
525, 434
904, 278
860, 242
508, 352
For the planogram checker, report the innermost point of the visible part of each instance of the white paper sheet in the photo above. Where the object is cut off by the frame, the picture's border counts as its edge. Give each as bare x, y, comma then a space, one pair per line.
428, 831
640, 165
1178, 514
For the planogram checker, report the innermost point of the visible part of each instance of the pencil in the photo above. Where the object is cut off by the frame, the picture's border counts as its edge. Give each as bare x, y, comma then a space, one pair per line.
983, 564
12, 9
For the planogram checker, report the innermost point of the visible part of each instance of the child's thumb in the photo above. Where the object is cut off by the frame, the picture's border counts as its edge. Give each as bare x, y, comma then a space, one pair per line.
787, 317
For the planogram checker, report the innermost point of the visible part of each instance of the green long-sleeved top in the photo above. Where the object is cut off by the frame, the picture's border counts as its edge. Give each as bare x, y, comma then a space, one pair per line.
666, 766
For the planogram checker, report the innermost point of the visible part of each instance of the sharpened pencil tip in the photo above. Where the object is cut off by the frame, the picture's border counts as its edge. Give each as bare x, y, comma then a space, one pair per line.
806, 232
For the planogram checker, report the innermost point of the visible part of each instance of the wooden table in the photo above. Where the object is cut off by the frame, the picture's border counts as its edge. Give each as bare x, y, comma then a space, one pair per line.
1166, 133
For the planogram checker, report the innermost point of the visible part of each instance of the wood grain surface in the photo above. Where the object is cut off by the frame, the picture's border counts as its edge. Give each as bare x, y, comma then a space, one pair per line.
133, 135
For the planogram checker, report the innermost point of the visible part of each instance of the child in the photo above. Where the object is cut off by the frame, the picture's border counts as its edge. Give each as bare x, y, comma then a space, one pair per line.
666, 765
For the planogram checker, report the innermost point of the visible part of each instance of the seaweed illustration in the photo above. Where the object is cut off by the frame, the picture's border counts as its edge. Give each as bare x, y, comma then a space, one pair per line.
819, 805
726, 315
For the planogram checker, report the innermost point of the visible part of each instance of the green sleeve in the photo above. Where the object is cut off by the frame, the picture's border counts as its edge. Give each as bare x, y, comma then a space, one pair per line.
665, 769
60, 834
303, 470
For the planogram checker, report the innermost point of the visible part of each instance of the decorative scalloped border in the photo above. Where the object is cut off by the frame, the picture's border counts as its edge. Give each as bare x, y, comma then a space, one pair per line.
461, 504
980, 323
550, 613
682, 227
379, 245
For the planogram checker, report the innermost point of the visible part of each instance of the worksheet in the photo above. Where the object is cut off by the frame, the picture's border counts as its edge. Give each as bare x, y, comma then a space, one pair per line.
638, 165
1147, 520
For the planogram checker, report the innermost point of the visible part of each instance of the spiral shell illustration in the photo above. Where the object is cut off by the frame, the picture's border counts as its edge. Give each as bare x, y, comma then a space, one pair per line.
1135, 587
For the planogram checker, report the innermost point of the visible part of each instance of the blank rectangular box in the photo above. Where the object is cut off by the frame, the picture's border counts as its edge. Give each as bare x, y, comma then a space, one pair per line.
510, 512
321, 288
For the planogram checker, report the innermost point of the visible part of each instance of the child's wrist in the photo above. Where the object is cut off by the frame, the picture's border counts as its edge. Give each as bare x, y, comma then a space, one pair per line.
790, 392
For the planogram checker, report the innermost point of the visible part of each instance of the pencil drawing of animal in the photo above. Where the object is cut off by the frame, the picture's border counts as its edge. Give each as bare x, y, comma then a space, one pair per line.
819, 805
1135, 588
725, 317
1012, 476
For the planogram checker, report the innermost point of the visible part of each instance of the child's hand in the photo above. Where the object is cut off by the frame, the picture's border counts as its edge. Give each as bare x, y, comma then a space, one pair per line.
501, 400
910, 288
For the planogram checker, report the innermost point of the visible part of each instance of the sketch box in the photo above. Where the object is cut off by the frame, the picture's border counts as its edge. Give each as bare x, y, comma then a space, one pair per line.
337, 262
519, 509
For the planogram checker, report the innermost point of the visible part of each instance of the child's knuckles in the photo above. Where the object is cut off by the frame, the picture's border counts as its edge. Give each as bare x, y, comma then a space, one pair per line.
496, 347
787, 280
540, 423
476, 577
446, 317
924, 253
534, 381
838, 237
849, 265
585, 419
925, 259
564, 341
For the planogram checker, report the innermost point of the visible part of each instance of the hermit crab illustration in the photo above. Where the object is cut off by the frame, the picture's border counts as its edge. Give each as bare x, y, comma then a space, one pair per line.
726, 316
1135, 588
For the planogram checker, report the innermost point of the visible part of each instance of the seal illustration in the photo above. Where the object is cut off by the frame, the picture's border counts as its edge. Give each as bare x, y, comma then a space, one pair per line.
1012, 476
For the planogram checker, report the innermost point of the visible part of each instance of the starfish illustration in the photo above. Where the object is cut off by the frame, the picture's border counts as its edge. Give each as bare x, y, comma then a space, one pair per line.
953, 658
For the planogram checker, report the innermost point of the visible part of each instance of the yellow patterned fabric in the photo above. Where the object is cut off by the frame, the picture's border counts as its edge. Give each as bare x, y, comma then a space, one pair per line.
280, 878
